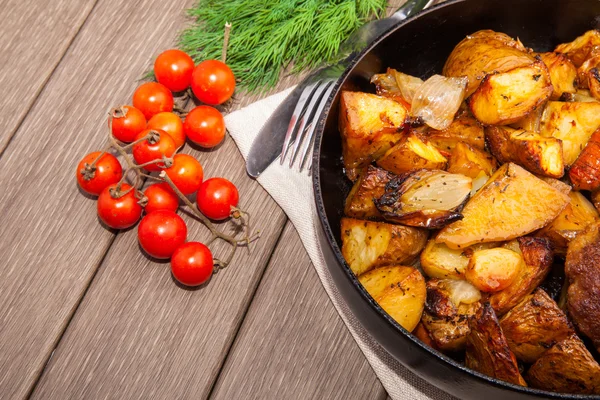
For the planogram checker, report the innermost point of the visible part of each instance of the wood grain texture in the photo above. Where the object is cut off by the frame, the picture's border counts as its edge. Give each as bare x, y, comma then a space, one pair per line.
293, 344
35, 36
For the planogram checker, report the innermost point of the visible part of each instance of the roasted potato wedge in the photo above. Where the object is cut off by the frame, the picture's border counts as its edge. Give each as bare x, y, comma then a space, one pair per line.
580, 49
367, 245
370, 125
596, 199
582, 269
440, 261
576, 216
470, 161
573, 123
491, 270
399, 290
449, 306
487, 349
464, 129
411, 154
521, 203
425, 198
482, 53
537, 154
504, 98
568, 367
585, 171
370, 185
535, 325
563, 74
562, 187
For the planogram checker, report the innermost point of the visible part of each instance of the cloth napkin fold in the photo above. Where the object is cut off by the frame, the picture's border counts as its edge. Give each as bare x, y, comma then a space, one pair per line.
293, 192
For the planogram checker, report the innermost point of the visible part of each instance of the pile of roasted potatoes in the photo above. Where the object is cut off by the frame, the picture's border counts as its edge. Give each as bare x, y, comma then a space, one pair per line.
470, 189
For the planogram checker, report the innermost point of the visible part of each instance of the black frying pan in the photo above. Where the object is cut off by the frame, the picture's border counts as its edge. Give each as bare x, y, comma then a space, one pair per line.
419, 46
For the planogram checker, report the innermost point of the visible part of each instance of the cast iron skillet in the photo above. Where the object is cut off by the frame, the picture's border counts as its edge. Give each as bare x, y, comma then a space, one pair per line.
419, 46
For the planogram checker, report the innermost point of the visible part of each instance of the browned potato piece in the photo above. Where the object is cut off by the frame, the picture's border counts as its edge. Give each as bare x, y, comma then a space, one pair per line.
367, 245
425, 198
585, 171
491, 270
449, 306
488, 351
537, 154
534, 325
521, 203
582, 268
482, 53
471, 162
576, 216
573, 123
596, 199
399, 290
537, 262
370, 125
579, 49
411, 154
562, 187
464, 129
504, 98
568, 367
563, 73
370, 185
440, 261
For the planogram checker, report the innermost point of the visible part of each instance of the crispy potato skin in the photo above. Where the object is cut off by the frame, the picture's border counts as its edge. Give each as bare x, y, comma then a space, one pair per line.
585, 171
370, 125
399, 290
482, 53
464, 129
522, 203
582, 268
580, 49
411, 154
568, 367
537, 262
563, 73
367, 245
534, 325
470, 161
537, 154
487, 349
505, 98
370, 185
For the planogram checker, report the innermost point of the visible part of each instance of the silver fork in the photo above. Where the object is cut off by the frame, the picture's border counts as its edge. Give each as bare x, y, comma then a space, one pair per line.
299, 137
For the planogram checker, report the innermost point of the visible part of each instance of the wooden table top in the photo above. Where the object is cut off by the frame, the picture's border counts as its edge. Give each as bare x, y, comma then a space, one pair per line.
83, 313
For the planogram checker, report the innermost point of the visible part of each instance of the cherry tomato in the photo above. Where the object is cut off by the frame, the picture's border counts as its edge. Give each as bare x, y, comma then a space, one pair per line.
192, 264
205, 126
161, 232
146, 151
170, 123
152, 98
106, 171
127, 122
118, 213
215, 198
186, 173
173, 68
213, 82
160, 197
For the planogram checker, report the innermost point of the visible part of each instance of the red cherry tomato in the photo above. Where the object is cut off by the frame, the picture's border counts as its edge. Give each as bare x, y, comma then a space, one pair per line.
192, 264
152, 98
205, 126
170, 123
146, 151
127, 122
186, 173
106, 171
173, 68
160, 197
215, 198
213, 82
118, 213
161, 232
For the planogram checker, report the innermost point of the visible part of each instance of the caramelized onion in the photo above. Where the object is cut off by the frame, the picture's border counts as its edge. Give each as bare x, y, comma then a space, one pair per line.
396, 85
461, 291
438, 99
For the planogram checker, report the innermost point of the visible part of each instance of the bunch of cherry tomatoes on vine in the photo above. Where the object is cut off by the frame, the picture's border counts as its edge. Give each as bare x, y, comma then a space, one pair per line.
148, 135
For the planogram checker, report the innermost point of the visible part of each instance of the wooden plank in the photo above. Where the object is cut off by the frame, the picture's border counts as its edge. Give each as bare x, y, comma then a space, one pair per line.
293, 344
35, 36
50, 239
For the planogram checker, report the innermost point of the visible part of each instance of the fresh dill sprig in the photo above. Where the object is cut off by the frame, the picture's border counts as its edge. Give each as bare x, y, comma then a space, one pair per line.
268, 36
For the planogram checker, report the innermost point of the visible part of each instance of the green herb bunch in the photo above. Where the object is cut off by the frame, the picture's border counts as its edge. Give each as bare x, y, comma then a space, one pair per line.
268, 36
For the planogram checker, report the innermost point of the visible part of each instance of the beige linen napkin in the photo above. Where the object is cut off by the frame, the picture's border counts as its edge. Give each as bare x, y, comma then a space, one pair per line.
293, 192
